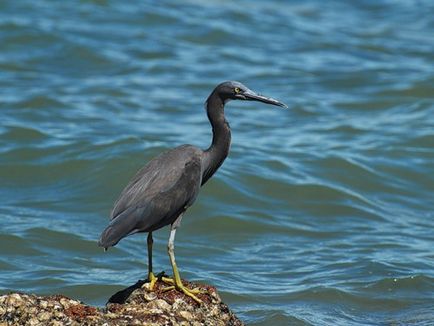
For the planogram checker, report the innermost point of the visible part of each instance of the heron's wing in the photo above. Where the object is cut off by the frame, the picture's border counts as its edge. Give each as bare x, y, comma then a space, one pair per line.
159, 176
156, 195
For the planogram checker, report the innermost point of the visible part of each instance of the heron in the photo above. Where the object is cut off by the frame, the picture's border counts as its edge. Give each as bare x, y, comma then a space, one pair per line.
162, 190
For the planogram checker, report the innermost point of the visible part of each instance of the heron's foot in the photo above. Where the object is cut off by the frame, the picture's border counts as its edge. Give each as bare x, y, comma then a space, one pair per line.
172, 286
191, 293
171, 282
152, 280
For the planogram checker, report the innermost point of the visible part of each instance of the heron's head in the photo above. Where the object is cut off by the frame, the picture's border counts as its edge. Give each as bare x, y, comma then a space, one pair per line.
233, 90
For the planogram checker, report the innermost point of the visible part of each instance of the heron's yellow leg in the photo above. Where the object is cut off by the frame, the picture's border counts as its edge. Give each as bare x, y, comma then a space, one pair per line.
152, 279
177, 279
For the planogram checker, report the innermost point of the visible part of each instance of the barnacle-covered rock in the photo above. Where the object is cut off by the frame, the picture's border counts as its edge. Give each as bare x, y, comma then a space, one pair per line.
135, 305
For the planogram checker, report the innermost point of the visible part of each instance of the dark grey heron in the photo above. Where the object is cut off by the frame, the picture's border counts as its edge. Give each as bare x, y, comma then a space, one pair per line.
163, 189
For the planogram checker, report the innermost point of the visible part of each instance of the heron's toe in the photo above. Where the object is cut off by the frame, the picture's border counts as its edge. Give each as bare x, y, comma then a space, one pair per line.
196, 291
168, 280
191, 293
169, 288
152, 280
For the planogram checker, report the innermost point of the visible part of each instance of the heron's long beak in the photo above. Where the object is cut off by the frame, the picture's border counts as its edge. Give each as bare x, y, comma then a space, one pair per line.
252, 96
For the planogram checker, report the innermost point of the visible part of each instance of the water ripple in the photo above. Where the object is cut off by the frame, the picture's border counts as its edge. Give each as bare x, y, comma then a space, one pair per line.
321, 215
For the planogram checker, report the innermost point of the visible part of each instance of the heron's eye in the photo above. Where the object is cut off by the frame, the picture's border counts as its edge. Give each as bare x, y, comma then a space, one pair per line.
237, 90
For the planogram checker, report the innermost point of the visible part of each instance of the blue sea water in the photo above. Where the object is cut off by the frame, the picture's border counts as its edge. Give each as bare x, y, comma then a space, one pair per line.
321, 215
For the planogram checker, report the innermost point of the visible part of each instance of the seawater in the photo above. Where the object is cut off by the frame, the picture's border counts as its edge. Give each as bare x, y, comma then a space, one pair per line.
321, 215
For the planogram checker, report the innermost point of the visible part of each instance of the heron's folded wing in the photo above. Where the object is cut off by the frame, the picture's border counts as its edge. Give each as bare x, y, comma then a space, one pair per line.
122, 225
162, 175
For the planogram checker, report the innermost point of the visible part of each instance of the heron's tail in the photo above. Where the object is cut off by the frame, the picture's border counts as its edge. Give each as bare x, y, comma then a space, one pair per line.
121, 226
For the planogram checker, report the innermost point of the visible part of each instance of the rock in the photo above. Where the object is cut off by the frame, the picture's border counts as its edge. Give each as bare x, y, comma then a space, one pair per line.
135, 305
186, 315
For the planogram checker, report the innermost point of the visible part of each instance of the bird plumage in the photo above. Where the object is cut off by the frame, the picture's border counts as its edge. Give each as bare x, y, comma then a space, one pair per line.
159, 192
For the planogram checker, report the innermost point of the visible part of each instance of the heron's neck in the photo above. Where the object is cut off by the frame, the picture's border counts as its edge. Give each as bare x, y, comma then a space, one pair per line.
221, 137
